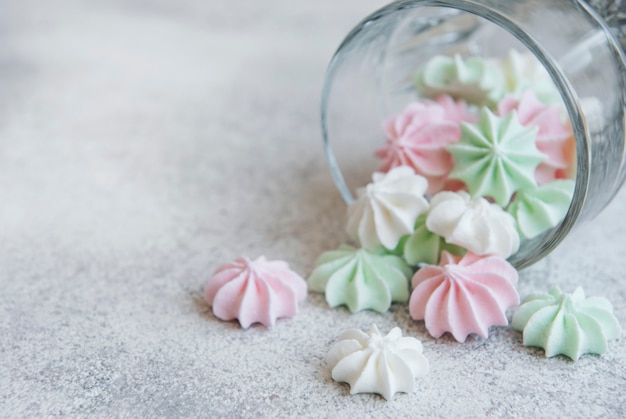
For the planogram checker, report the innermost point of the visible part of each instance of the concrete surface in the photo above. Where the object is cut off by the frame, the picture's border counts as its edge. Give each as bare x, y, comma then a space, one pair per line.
142, 143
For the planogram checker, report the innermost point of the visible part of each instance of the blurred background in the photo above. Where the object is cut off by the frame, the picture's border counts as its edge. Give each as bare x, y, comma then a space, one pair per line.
122, 123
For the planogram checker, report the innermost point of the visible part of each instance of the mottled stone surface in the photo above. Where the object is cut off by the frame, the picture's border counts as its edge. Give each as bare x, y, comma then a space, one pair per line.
143, 143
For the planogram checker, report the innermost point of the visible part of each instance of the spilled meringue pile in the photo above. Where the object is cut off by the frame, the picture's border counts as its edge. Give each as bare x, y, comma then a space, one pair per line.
464, 285
483, 159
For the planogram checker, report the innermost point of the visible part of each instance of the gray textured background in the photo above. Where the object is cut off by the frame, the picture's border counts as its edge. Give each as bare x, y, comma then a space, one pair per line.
142, 143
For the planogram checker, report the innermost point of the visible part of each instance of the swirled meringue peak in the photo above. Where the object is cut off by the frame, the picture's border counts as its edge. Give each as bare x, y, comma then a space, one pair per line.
477, 225
258, 291
554, 135
361, 279
472, 79
417, 138
373, 363
386, 209
566, 324
496, 157
424, 246
539, 209
464, 295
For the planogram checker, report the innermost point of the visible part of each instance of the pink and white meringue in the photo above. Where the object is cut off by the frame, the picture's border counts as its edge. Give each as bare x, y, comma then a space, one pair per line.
386, 209
418, 136
477, 225
553, 138
464, 295
258, 291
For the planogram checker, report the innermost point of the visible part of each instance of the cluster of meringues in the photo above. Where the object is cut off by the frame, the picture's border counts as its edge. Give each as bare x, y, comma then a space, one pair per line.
482, 159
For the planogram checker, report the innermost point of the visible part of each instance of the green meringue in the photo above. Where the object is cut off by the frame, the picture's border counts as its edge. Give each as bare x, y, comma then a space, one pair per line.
567, 324
496, 157
361, 279
424, 246
472, 79
538, 209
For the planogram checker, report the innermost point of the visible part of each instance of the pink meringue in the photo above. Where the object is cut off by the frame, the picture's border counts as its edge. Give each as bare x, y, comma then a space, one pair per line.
569, 151
455, 110
554, 138
464, 295
418, 136
258, 291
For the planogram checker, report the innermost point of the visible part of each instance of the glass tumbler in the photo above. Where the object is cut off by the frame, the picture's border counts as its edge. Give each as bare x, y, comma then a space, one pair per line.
580, 44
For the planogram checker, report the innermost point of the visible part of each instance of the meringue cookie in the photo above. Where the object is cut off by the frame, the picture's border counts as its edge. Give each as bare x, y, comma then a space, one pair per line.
552, 135
539, 209
258, 291
464, 295
417, 138
424, 246
523, 72
473, 79
496, 156
386, 209
373, 363
477, 225
566, 324
361, 279
457, 110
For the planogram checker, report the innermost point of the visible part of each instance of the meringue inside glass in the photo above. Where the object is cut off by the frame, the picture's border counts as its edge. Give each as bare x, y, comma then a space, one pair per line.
494, 132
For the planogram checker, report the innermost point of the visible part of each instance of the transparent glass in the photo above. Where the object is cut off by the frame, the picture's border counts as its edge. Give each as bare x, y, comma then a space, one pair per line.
370, 78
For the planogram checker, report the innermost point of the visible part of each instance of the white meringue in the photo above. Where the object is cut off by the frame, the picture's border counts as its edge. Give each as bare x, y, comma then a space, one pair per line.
386, 209
373, 363
524, 72
477, 225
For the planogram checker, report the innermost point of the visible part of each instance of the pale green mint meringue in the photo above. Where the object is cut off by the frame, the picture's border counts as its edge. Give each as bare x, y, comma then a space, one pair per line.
496, 157
472, 79
538, 209
567, 324
361, 279
424, 246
